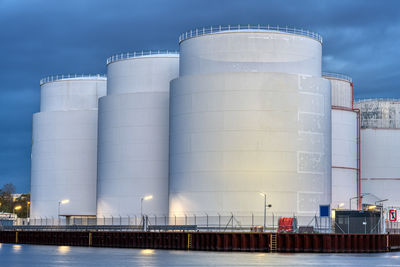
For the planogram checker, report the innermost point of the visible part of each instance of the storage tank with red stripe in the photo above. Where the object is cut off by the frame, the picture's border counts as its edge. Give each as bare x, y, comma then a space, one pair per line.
344, 142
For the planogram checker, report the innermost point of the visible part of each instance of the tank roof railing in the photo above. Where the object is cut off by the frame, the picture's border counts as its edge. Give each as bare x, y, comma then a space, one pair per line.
337, 76
396, 100
142, 53
239, 28
54, 78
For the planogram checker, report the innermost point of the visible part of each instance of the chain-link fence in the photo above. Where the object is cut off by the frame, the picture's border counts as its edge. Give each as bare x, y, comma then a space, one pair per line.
202, 223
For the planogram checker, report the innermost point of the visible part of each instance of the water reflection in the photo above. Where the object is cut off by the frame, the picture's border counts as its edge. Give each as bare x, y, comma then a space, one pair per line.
17, 248
147, 251
63, 249
66, 256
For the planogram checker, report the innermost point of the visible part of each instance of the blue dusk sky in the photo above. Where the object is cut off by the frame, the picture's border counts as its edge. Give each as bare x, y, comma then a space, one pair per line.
39, 38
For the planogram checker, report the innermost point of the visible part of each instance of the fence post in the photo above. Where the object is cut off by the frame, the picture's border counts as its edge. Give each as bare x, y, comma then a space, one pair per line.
273, 222
348, 224
219, 220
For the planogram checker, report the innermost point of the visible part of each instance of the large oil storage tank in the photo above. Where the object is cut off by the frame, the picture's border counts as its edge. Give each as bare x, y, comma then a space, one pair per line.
64, 147
134, 134
250, 113
380, 150
345, 167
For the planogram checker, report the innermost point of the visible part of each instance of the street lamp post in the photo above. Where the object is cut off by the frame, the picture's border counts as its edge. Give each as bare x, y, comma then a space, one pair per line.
265, 208
148, 197
351, 200
17, 208
141, 203
379, 204
361, 196
27, 208
65, 201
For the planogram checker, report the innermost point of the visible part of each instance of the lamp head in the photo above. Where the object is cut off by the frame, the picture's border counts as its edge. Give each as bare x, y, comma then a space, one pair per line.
148, 197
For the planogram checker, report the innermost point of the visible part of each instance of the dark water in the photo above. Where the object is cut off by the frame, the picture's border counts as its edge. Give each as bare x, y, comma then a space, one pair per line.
34, 255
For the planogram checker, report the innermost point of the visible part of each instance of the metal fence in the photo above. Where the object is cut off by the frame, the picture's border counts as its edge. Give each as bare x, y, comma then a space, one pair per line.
337, 76
71, 76
142, 53
202, 223
392, 227
219, 28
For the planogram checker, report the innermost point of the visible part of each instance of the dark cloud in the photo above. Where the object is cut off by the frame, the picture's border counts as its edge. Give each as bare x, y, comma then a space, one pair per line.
40, 38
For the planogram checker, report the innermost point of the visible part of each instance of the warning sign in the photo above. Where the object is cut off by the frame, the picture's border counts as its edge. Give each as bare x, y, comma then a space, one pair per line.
392, 215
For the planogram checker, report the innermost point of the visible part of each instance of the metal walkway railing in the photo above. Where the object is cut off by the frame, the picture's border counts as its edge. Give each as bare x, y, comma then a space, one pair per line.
244, 28
124, 56
54, 78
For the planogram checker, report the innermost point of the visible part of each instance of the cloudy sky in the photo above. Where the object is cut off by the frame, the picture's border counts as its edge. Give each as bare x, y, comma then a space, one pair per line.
40, 38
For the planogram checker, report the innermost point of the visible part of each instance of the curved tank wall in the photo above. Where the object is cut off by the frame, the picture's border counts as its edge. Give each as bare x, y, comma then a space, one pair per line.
151, 73
344, 141
380, 168
72, 93
134, 135
342, 89
344, 158
380, 149
234, 135
250, 51
64, 149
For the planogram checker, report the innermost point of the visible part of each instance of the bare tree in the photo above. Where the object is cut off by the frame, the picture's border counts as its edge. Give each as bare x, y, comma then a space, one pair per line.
8, 189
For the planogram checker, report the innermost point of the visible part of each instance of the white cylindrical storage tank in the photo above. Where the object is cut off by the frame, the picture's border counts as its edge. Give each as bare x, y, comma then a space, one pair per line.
344, 142
247, 117
380, 150
64, 147
134, 134
268, 49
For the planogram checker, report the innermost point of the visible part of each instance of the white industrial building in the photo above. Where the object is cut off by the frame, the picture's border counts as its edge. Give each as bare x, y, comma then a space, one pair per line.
345, 164
133, 134
380, 151
237, 112
250, 113
64, 147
